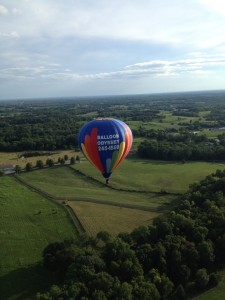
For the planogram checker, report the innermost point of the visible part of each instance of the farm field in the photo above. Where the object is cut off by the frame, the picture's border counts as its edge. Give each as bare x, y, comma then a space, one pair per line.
168, 120
65, 182
154, 176
28, 223
13, 158
100, 217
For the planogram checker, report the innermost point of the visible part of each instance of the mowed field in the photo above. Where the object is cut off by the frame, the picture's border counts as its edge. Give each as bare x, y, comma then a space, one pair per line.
216, 293
132, 184
14, 158
28, 223
100, 217
65, 182
154, 176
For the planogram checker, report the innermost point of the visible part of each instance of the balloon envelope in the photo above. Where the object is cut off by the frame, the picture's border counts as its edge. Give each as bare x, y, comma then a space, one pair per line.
105, 143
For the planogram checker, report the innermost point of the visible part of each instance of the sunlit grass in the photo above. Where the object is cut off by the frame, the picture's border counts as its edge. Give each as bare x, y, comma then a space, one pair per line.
65, 182
98, 217
28, 223
148, 175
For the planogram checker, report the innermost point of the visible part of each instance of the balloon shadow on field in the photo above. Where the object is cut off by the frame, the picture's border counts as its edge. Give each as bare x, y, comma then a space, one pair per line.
25, 283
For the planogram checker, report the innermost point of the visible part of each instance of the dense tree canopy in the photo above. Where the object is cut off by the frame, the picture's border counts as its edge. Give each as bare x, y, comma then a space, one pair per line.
176, 151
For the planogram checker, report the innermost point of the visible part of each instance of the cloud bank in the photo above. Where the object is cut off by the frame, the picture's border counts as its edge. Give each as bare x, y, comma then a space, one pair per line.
77, 42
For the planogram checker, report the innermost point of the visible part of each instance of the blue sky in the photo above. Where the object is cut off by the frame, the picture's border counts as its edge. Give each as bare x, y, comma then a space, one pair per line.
62, 48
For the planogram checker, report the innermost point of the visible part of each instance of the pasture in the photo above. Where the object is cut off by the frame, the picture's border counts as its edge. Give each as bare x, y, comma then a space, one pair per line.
14, 158
154, 176
216, 293
65, 182
28, 223
100, 217
167, 121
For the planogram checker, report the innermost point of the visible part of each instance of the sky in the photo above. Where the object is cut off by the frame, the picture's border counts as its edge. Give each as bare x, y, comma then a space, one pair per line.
69, 48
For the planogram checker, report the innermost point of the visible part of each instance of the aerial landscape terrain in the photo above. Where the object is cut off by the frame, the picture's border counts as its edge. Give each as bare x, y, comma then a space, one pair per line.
112, 150
156, 231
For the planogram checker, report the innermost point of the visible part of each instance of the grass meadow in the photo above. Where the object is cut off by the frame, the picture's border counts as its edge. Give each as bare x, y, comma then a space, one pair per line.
67, 183
216, 293
97, 217
169, 121
154, 176
28, 223
13, 158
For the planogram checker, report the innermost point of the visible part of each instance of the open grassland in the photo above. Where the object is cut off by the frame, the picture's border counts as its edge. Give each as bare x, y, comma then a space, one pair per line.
14, 158
167, 120
147, 175
155, 124
212, 133
28, 223
217, 293
98, 217
65, 182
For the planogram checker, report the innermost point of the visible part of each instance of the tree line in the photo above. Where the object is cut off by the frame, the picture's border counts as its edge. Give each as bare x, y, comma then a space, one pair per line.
49, 163
174, 258
176, 151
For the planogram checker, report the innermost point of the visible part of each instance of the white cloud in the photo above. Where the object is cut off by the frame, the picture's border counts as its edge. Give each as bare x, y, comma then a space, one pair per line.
99, 41
197, 65
177, 23
3, 10
215, 5
12, 34
165, 68
26, 72
201, 72
162, 68
17, 11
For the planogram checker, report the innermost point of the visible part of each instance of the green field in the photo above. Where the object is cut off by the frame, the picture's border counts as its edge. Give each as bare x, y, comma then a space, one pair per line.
28, 223
97, 217
65, 182
16, 158
216, 293
167, 121
147, 175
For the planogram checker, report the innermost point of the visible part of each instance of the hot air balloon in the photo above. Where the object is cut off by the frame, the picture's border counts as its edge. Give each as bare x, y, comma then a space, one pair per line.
105, 143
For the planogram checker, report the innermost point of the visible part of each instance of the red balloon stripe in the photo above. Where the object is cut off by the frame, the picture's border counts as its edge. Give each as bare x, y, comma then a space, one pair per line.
92, 149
